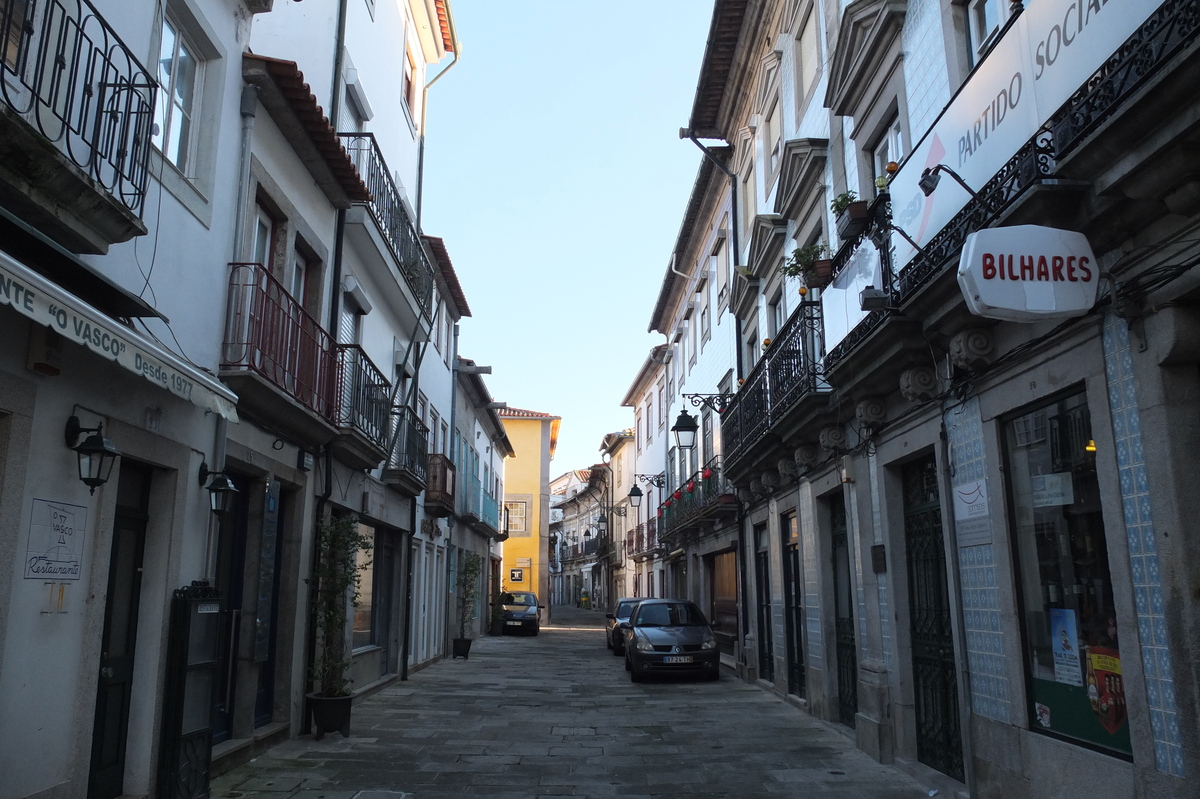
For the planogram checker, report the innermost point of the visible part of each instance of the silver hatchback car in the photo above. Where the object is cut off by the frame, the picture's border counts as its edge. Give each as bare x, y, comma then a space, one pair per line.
669, 636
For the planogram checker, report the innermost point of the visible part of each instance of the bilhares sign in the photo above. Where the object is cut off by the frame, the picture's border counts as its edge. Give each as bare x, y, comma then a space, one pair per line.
1027, 273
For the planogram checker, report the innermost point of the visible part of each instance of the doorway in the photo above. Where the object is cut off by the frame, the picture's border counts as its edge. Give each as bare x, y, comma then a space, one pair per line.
843, 606
762, 575
118, 641
935, 678
793, 605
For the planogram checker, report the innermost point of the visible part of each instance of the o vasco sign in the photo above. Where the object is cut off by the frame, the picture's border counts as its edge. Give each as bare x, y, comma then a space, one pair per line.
1027, 273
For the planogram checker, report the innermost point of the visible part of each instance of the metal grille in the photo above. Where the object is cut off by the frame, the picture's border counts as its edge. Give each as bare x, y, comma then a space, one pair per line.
939, 738
847, 650
766, 656
794, 610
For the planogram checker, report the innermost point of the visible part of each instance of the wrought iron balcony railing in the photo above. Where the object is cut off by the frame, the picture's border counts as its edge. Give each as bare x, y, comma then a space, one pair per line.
363, 393
387, 208
703, 496
70, 77
269, 333
643, 539
790, 370
411, 444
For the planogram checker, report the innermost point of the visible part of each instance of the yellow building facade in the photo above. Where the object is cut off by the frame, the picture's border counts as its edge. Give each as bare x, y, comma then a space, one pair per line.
534, 436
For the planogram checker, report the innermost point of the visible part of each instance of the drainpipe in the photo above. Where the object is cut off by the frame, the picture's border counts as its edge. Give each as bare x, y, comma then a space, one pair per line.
339, 234
454, 43
446, 634
687, 133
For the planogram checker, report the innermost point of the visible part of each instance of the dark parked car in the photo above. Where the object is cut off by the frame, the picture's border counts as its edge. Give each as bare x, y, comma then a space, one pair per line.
521, 611
669, 636
614, 638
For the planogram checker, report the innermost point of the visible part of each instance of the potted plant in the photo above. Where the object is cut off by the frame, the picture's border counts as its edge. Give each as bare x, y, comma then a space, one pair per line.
852, 214
469, 568
811, 263
336, 579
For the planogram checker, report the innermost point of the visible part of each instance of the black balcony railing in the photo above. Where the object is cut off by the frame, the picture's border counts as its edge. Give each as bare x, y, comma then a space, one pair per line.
363, 394
388, 209
642, 539
411, 437
268, 332
70, 77
701, 497
789, 371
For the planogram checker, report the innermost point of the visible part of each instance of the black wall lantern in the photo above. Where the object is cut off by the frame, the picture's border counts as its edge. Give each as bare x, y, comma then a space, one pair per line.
220, 489
602, 524
685, 428
635, 496
96, 453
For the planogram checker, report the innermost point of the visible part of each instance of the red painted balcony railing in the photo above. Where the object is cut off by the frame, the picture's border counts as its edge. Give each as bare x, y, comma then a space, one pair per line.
268, 332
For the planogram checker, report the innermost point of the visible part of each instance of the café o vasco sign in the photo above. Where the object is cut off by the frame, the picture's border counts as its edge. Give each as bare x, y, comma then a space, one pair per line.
1028, 273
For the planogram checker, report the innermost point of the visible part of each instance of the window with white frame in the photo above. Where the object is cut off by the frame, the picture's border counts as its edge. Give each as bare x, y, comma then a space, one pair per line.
984, 18
637, 430
691, 340
772, 140
180, 73
890, 147
776, 315
516, 518
649, 417
721, 265
808, 62
662, 403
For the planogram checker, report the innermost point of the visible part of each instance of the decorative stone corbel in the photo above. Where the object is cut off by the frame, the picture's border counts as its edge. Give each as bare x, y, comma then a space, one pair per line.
972, 349
787, 469
805, 457
918, 384
770, 480
833, 439
756, 487
870, 413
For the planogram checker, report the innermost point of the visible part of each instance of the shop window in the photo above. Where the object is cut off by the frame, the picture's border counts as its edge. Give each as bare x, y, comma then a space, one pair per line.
1071, 642
364, 610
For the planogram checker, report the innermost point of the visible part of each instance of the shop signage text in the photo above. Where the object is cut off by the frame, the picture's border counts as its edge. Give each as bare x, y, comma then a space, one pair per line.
1027, 272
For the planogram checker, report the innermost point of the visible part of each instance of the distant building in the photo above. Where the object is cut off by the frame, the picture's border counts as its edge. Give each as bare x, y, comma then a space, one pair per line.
534, 437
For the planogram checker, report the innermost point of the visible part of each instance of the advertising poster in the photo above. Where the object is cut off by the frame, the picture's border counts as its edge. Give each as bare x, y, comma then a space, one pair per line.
1064, 639
1106, 687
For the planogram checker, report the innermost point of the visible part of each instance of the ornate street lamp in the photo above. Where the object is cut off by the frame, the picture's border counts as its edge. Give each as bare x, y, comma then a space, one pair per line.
96, 453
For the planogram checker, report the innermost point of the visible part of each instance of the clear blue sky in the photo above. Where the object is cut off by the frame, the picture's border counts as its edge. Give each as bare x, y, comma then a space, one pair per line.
555, 173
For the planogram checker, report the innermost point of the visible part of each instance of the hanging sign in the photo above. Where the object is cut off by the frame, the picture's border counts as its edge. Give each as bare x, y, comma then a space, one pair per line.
1028, 273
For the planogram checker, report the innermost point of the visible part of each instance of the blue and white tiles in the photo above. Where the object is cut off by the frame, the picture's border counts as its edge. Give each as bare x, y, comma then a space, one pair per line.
1143, 547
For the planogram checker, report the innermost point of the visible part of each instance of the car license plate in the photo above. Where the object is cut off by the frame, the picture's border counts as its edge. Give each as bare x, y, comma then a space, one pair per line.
677, 659
513, 623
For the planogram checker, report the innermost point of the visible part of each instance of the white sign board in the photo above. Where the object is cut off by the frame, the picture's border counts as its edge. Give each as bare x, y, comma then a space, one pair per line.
1026, 273
1041, 60
840, 304
972, 519
54, 551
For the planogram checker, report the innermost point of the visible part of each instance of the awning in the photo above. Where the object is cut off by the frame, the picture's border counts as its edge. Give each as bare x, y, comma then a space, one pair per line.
48, 304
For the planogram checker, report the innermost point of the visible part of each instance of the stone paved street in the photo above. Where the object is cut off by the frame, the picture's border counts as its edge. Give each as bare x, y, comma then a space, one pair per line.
556, 715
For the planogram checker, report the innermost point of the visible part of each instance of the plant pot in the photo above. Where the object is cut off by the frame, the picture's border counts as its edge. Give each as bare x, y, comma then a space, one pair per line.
853, 221
820, 275
461, 648
331, 714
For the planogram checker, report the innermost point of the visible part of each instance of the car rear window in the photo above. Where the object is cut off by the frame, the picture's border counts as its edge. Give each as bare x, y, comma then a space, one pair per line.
673, 614
623, 609
518, 599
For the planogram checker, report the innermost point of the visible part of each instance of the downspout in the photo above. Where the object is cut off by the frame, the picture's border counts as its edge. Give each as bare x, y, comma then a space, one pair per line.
446, 633
335, 109
733, 234
454, 43
744, 619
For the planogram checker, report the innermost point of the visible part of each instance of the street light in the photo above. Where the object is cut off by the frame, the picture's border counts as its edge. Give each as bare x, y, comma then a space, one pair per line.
635, 496
685, 428
96, 453
602, 523
221, 489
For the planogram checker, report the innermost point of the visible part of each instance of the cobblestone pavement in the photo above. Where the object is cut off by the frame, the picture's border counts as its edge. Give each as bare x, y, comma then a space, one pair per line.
556, 715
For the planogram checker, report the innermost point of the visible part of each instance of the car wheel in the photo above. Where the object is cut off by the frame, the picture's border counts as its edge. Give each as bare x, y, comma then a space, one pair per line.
608, 644
617, 651
627, 666
714, 675
635, 676
536, 629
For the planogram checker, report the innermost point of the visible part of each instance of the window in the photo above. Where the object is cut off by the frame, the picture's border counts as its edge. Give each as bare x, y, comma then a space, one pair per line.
1072, 652
807, 62
516, 518
721, 265
299, 278
637, 430
264, 238
179, 74
775, 315
649, 418
890, 147
752, 349
983, 21
409, 86
364, 611
434, 429
691, 342
662, 403
706, 436
17, 12
705, 324
445, 437
748, 201
772, 140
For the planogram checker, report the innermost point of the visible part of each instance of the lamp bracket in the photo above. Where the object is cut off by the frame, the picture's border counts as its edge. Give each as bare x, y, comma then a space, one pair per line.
656, 480
75, 429
716, 402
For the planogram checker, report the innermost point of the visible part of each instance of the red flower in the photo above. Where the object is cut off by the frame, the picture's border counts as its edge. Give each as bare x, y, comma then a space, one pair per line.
678, 494
707, 474
691, 486
660, 512
667, 504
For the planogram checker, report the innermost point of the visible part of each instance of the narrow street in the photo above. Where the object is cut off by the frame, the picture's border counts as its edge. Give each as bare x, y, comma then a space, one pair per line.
556, 715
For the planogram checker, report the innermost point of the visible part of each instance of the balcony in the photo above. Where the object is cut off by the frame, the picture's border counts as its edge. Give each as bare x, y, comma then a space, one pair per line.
642, 541
392, 230
408, 464
489, 516
76, 112
699, 504
786, 381
278, 358
439, 491
363, 408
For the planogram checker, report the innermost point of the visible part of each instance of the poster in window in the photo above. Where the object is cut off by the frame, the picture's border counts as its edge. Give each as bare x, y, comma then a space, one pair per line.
1050, 490
1106, 687
1064, 637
